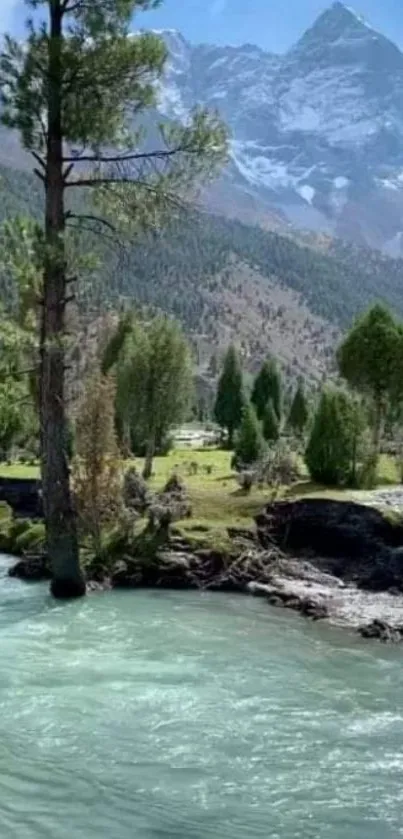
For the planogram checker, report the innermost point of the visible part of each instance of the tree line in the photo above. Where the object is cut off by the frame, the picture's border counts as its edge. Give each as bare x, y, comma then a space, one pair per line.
342, 429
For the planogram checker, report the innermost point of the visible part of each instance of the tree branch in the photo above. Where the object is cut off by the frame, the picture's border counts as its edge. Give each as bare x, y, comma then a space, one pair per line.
39, 175
38, 159
159, 154
88, 217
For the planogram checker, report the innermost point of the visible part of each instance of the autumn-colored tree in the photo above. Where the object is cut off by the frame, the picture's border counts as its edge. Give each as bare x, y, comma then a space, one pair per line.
97, 477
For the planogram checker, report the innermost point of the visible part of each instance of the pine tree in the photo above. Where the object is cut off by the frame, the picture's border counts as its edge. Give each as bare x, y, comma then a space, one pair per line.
230, 396
271, 430
370, 359
267, 386
299, 413
75, 89
333, 449
249, 446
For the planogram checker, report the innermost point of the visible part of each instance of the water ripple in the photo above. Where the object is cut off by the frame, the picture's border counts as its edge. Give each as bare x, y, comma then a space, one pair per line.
181, 716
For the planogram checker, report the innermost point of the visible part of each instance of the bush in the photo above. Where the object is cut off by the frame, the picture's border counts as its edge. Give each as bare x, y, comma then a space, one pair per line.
279, 467
136, 495
172, 504
246, 480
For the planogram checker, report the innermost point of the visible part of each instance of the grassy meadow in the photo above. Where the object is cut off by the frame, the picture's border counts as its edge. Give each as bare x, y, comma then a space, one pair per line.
217, 500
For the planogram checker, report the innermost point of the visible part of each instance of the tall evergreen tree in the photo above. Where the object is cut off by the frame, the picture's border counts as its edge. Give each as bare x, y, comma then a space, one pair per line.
299, 412
370, 359
270, 425
74, 89
333, 448
230, 396
267, 385
249, 445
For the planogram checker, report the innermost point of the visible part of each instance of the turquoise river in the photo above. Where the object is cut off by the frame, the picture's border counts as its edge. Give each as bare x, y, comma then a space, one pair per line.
156, 715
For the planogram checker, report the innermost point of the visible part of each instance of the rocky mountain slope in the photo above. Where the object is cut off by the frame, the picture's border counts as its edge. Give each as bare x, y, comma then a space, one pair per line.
225, 280
317, 133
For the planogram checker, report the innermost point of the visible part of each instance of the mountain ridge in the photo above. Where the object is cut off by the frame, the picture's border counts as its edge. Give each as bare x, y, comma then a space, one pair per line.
317, 131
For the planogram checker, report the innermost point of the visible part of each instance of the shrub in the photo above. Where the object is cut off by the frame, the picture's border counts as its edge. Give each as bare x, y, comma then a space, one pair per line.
136, 495
172, 504
279, 467
246, 480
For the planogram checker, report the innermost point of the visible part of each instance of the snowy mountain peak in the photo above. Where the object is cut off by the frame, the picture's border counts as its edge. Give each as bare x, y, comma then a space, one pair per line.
317, 133
336, 26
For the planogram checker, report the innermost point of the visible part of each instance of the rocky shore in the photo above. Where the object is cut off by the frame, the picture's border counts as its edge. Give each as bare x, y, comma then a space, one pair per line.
329, 560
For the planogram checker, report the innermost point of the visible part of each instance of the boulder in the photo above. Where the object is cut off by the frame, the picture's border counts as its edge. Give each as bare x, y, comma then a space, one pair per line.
382, 630
31, 568
126, 575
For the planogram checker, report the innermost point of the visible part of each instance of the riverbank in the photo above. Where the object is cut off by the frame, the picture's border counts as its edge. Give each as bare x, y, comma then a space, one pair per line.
337, 561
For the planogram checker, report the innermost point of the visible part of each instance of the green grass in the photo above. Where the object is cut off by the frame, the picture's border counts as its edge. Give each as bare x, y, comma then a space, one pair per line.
216, 498
18, 470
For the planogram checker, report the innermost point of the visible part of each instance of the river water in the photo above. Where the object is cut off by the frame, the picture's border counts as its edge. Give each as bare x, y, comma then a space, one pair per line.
158, 715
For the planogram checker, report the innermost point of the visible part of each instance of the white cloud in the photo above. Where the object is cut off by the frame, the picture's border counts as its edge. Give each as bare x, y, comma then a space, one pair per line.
217, 8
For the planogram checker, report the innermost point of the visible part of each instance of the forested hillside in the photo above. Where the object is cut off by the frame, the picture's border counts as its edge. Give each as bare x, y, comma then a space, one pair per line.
223, 279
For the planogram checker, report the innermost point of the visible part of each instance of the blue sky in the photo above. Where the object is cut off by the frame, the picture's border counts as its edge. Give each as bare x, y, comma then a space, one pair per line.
273, 24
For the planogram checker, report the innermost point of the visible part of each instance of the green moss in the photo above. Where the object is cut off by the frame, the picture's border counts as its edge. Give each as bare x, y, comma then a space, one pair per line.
31, 539
6, 512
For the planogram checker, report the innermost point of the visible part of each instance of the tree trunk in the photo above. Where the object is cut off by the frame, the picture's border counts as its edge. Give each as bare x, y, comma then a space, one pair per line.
126, 440
150, 452
61, 531
377, 429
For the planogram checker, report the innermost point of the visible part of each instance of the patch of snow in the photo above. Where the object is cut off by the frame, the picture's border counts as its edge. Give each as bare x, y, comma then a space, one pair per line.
261, 166
260, 170
170, 102
361, 19
306, 192
302, 118
218, 62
